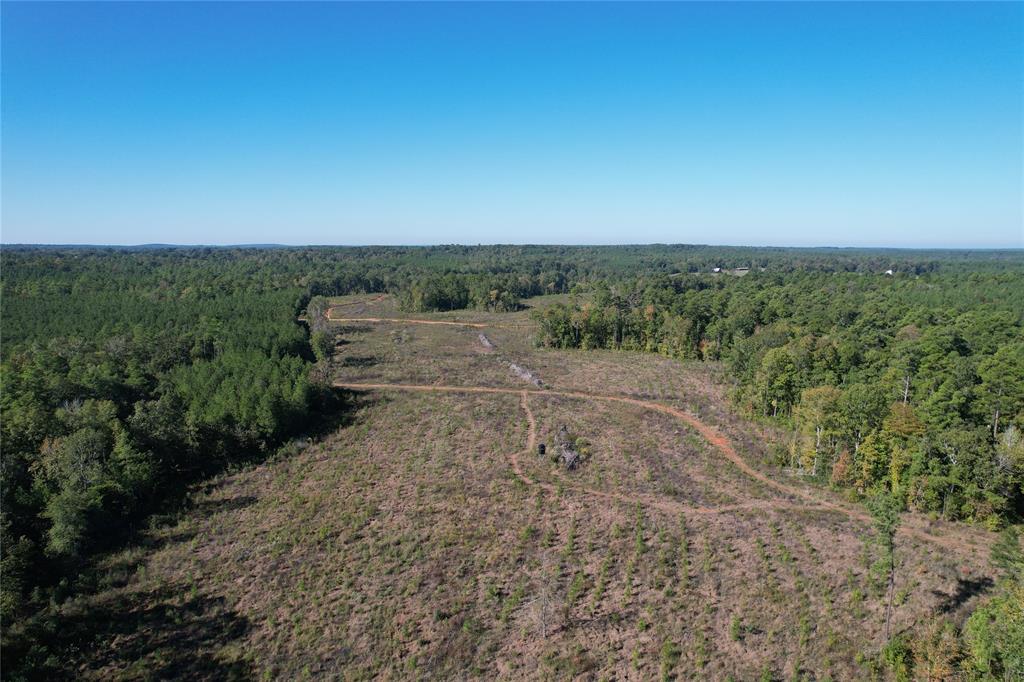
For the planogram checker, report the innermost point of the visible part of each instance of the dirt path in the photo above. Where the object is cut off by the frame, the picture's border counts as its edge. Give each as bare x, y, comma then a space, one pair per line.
446, 323
710, 433
531, 433
395, 320
378, 297
662, 504
327, 313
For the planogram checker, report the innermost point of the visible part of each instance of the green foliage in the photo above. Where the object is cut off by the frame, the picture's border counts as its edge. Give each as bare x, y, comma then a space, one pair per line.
735, 629
512, 602
898, 657
321, 344
670, 655
991, 644
885, 511
994, 635
126, 374
776, 381
1008, 556
911, 384
242, 396
498, 293
576, 588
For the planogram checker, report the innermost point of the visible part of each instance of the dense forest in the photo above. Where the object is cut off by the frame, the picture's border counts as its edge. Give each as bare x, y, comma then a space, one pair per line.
126, 376
129, 373
911, 383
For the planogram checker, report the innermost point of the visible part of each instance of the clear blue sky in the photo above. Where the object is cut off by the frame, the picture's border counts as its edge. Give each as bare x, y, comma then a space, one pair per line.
788, 124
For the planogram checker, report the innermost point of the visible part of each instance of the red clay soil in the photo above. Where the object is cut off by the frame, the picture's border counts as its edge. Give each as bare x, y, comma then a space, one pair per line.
651, 501
709, 433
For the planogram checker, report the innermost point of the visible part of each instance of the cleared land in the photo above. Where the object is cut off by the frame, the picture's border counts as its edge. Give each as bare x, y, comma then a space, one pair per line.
427, 538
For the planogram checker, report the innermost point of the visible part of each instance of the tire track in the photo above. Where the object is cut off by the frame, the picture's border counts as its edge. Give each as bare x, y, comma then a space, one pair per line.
447, 323
646, 500
709, 433
327, 313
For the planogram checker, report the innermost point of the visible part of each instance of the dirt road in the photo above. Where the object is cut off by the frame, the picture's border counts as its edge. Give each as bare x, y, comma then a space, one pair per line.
413, 320
327, 313
447, 323
709, 433
665, 505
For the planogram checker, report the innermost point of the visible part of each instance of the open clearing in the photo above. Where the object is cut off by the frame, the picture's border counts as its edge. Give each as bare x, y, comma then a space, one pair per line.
427, 538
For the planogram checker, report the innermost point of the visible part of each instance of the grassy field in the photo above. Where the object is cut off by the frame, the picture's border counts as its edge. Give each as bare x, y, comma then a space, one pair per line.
425, 537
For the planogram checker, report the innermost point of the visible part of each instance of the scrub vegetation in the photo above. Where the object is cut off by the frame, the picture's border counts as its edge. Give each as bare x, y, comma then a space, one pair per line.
303, 462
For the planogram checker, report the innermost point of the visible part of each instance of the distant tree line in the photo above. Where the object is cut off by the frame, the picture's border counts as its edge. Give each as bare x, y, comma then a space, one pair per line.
497, 293
128, 373
120, 385
911, 384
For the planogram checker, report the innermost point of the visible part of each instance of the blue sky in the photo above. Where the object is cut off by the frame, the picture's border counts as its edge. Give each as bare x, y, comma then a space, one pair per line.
785, 124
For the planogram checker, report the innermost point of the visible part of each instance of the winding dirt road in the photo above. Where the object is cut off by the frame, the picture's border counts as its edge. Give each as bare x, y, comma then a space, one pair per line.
709, 433
663, 504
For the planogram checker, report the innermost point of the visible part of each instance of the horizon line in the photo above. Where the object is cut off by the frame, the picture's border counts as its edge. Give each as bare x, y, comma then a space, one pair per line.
275, 245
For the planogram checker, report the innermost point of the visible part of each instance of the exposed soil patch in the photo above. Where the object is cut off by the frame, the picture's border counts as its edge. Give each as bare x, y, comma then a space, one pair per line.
353, 306
713, 436
391, 320
428, 540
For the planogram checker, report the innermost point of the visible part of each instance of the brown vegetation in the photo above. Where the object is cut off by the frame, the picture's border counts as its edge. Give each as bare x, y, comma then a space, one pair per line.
428, 539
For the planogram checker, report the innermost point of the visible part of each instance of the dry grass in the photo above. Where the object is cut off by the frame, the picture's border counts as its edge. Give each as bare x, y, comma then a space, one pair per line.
403, 545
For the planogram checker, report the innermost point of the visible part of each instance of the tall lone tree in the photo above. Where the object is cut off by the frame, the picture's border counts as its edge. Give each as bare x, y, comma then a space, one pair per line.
885, 513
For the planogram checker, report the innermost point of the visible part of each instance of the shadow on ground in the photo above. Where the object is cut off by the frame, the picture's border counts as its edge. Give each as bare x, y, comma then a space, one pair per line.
108, 625
358, 361
168, 632
966, 588
174, 632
